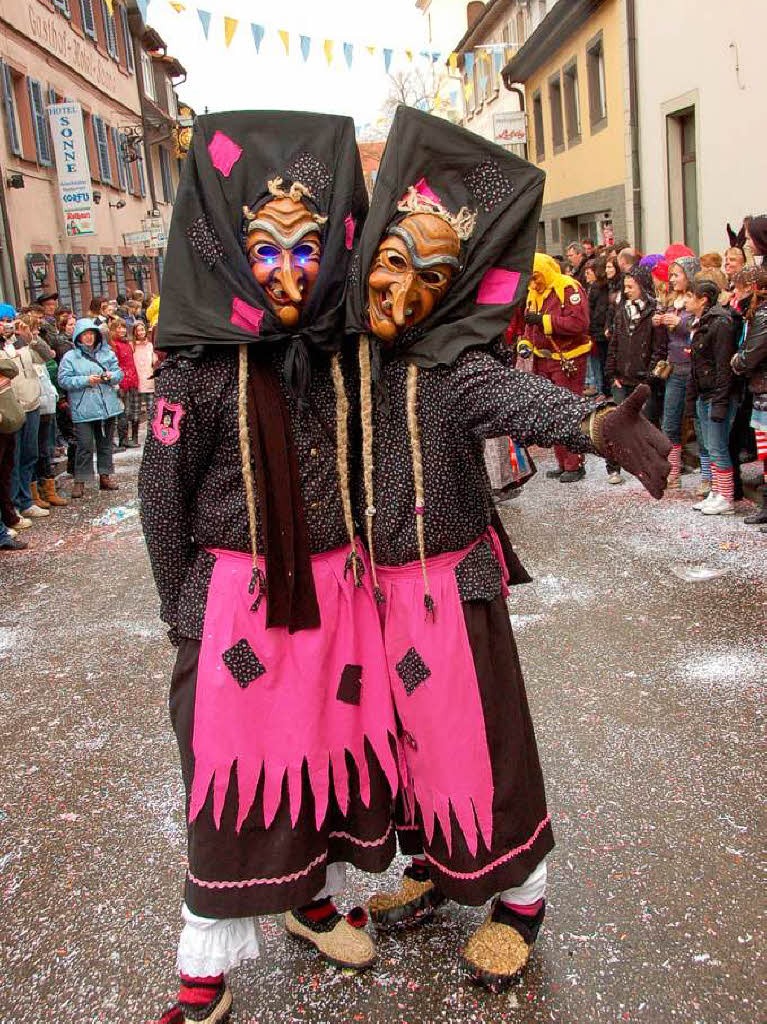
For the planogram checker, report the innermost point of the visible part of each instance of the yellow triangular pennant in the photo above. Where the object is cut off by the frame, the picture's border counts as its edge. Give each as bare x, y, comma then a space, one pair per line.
409, 54
285, 37
371, 50
111, 6
329, 50
453, 61
178, 8
230, 27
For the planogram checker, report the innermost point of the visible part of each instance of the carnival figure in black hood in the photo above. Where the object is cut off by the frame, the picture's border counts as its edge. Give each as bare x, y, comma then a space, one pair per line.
280, 696
445, 255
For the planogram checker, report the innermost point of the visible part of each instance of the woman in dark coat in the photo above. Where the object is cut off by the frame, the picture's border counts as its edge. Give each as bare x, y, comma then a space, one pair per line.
599, 298
750, 363
712, 389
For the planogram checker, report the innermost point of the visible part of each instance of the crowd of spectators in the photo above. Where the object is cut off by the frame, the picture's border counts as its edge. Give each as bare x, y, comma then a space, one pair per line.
70, 390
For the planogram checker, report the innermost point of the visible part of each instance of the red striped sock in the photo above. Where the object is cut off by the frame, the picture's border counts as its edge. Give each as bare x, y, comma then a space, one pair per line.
675, 458
724, 482
199, 991
419, 862
761, 447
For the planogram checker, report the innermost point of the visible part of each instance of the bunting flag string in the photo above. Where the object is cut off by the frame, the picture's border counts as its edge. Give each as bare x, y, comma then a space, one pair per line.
489, 58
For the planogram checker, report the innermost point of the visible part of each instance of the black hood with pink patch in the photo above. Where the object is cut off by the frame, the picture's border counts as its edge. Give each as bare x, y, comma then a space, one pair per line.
460, 170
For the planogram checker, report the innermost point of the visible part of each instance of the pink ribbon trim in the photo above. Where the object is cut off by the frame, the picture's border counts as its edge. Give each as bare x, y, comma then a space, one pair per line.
496, 863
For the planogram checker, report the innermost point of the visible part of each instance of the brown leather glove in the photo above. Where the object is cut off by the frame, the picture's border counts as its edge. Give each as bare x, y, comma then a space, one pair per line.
623, 435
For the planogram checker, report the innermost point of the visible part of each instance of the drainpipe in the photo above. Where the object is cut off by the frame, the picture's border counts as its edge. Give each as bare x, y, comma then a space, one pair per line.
636, 171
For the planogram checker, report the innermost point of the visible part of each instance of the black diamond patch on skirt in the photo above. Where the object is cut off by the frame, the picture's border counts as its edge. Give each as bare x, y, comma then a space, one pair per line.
350, 687
242, 662
412, 670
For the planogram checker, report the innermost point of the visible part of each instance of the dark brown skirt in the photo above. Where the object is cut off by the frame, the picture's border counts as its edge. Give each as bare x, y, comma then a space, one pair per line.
269, 870
522, 834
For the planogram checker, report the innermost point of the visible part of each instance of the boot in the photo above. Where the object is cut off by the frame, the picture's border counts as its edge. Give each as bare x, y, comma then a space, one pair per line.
49, 493
335, 939
571, 476
133, 443
414, 903
106, 483
37, 497
78, 489
760, 516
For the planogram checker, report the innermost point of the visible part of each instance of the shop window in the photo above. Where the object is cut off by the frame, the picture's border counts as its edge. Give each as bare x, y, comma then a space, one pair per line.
110, 33
147, 76
37, 106
540, 145
127, 39
572, 103
165, 175
683, 177
13, 132
557, 122
595, 67
88, 18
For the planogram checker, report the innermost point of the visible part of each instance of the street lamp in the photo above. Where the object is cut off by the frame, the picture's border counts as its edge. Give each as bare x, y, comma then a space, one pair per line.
119, 205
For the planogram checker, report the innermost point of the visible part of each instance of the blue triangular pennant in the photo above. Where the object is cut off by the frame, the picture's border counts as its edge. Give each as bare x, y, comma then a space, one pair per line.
349, 53
142, 6
258, 35
387, 59
306, 43
435, 56
469, 62
204, 17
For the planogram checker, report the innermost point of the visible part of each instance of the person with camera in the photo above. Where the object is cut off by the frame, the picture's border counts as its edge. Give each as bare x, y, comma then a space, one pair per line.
90, 374
557, 336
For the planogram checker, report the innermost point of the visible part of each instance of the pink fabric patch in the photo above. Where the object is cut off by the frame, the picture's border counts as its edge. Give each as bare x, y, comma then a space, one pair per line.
167, 421
498, 286
350, 225
445, 752
246, 316
423, 188
224, 153
290, 714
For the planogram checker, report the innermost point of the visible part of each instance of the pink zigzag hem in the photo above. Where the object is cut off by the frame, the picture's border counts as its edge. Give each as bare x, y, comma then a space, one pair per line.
496, 863
248, 882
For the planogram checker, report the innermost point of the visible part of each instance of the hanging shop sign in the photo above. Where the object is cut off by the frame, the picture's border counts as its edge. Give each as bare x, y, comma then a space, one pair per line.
510, 128
72, 168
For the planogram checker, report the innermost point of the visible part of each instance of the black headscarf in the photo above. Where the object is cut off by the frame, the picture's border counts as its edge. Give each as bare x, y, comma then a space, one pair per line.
210, 297
232, 157
462, 170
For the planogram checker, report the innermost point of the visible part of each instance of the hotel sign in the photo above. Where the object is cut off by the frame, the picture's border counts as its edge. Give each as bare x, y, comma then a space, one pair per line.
72, 168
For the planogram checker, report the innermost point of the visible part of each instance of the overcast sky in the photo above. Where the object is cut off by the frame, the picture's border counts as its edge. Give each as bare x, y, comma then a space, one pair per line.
239, 78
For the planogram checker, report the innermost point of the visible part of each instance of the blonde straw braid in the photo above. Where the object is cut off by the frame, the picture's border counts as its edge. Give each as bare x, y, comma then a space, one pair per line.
366, 410
342, 458
257, 578
420, 506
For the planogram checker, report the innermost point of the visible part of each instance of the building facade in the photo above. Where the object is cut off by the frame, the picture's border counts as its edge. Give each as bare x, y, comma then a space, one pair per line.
574, 67
696, 67
89, 52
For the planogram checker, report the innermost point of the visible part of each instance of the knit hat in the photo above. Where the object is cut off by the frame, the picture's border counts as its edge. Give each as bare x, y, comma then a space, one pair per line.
676, 250
690, 266
643, 278
7, 312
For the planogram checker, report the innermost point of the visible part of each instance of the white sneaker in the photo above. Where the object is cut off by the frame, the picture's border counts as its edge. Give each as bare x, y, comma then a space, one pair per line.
33, 512
718, 506
700, 505
12, 533
23, 524
615, 478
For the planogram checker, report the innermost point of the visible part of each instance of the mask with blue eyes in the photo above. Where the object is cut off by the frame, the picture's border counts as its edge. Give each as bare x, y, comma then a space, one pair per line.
284, 250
